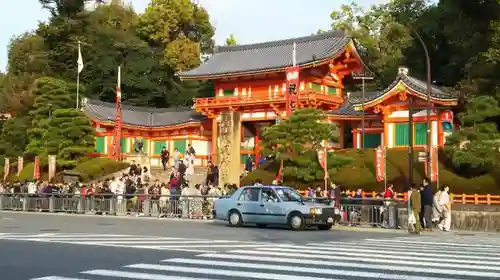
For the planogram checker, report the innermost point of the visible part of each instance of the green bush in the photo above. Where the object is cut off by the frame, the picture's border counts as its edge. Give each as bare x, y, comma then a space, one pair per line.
90, 169
360, 173
99, 167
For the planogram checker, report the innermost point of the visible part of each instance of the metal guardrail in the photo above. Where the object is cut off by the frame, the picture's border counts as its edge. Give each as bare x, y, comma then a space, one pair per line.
488, 199
352, 212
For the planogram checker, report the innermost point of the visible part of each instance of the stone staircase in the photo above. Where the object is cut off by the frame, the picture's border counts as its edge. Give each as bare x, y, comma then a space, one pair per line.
199, 176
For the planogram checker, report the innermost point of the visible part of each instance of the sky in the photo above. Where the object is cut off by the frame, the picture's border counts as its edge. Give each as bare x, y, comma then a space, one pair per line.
250, 21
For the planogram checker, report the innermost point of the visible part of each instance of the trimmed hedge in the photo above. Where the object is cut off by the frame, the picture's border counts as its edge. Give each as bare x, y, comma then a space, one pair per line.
90, 169
360, 173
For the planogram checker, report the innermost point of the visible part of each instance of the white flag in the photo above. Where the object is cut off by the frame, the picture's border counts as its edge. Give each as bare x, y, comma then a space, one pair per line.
80, 59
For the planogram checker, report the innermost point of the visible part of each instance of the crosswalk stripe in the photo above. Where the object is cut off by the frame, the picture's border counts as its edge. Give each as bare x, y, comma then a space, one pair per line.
160, 242
138, 275
57, 278
420, 248
342, 262
343, 272
328, 249
431, 243
224, 272
368, 257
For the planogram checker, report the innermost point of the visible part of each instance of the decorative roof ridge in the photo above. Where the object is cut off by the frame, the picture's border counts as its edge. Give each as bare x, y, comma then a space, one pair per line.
268, 44
137, 108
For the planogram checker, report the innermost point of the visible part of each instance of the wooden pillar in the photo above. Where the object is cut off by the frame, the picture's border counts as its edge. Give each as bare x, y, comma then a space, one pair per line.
215, 133
256, 149
440, 134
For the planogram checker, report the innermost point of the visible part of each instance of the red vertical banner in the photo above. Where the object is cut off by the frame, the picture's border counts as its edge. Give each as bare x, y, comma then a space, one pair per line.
433, 176
36, 169
379, 164
322, 158
6, 169
20, 165
279, 175
118, 120
292, 88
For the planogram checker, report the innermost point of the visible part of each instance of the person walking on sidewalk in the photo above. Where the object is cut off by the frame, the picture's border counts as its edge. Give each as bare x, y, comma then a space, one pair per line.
427, 204
415, 206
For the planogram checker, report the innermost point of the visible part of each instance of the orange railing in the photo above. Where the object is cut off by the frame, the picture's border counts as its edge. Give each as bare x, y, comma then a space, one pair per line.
264, 97
487, 199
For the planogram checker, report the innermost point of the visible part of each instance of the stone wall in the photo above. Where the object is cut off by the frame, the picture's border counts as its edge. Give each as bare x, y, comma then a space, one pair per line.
466, 217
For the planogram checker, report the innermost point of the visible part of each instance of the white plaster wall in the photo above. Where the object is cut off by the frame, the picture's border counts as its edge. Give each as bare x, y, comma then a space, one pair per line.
390, 135
200, 146
434, 131
358, 140
106, 144
382, 139
404, 114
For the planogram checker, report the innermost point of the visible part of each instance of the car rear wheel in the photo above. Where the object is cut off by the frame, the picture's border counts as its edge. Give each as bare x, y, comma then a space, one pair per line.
296, 221
325, 227
235, 218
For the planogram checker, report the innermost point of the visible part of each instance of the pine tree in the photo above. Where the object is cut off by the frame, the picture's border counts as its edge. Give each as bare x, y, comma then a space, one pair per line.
296, 141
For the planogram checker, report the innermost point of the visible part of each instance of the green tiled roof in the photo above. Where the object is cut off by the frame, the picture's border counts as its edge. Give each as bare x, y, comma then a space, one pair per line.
241, 59
355, 98
141, 116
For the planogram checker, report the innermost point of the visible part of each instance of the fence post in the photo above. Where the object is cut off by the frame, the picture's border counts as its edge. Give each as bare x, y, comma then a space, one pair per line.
1, 201
145, 205
392, 215
51, 204
25, 202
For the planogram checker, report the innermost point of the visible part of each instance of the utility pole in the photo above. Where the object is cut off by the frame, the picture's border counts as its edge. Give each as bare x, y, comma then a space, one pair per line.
363, 76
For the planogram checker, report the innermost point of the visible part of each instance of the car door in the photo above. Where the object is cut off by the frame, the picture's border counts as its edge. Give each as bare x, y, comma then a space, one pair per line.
270, 207
248, 204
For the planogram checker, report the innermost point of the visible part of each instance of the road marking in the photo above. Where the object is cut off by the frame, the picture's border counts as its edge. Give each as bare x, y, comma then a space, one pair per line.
406, 266
431, 243
138, 275
162, 242
355, 256
223, 272
57, 278
402, 247
330, 249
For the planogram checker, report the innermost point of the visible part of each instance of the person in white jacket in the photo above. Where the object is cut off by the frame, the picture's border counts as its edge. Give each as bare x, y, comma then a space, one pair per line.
445, 204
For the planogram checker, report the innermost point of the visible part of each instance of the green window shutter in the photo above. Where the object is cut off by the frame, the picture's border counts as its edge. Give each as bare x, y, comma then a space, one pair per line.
372, 140
123, 145
402, 137
228, 92
332, 91
158, 146
420, 134
315, 87
180, 145
244, 158
100, 144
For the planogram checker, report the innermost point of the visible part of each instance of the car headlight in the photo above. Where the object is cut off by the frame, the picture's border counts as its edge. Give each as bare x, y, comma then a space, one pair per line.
316, 211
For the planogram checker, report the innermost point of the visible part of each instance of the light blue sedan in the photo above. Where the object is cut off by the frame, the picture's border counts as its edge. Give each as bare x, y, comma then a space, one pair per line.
272, 205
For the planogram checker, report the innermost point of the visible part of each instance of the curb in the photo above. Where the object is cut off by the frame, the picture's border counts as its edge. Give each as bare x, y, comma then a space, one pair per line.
368, 229
131, 217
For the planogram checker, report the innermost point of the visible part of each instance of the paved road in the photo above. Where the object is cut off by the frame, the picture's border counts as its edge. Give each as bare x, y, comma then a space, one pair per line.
60, 223
66, 255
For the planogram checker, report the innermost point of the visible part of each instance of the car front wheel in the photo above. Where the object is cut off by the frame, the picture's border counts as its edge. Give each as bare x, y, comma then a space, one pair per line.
296, 221
235, 218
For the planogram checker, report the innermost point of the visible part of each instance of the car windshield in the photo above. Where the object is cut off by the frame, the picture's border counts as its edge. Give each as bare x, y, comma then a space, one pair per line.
288, 194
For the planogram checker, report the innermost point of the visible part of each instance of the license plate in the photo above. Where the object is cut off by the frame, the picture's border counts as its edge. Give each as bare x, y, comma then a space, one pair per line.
330, 220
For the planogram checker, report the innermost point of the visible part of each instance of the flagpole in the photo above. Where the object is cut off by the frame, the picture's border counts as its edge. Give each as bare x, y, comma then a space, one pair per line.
79, 69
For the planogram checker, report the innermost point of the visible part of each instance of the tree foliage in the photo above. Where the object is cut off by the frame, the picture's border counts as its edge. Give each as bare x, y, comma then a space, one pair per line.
50, 95
295, 142
475, 148
69, 135
13, 137
231, 40
180, 28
